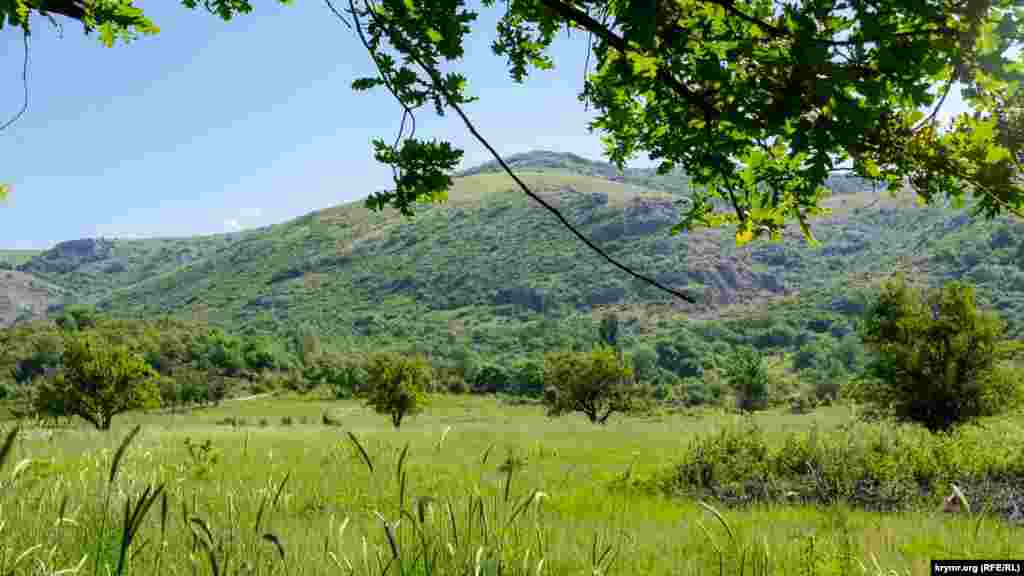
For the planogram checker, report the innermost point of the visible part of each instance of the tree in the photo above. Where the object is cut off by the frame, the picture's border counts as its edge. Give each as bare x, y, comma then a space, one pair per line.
609, 330
490, 379
528, 378
683, 356
99, 381
937, 359
645, 363
758, 101
397, 385
345, 376
748, 377
598, 383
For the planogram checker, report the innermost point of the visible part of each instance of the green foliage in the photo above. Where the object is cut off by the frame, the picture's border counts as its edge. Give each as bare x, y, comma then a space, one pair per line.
733, 105
598, 383
345, 376
259, 353
397, 385
47, 357
218, 350
491, 379
877, 466
684, 356
99, 380
527, 378
609, 331
645, 363
747, 376
77, 317
936, 357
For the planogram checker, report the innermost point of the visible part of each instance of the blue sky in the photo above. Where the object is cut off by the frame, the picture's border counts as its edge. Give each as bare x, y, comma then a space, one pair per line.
210, 126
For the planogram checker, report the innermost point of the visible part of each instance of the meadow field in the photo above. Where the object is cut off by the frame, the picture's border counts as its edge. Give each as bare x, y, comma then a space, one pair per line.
304, 486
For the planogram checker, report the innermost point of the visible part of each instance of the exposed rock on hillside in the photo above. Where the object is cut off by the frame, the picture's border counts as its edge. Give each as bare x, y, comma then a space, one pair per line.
68, 256
21, 297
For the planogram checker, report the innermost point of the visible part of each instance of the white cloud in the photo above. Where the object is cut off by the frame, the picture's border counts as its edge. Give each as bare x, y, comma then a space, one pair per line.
232, 225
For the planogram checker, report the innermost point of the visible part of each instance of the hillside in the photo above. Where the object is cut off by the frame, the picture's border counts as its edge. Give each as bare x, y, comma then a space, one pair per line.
11, 258
492, 270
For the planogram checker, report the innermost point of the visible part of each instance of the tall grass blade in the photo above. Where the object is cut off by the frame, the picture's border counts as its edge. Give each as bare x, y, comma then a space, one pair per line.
401, 461
366, 457
115, 465
8, 447
389, 532
273, 539
721, 519
280, 488
451, 521
133, 519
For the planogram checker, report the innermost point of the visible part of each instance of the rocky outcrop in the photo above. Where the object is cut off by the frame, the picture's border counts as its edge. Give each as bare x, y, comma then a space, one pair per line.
69, 256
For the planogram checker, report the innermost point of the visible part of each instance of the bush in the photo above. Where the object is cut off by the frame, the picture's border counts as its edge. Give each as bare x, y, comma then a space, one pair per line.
77, 317
258, 353
597, 383
645, 363
748, 378
98, 381
490, 379
528, 378
344, 376
699, 392
683, 357
937, 358
397, 385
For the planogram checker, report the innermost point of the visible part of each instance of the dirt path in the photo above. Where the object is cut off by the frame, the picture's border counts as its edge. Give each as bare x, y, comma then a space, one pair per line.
244, 398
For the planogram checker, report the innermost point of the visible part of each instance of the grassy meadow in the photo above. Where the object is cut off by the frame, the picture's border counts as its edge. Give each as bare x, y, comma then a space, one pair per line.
306, 486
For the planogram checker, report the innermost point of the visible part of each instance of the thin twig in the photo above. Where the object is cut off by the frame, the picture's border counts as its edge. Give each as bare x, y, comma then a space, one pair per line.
438, 85
24, 83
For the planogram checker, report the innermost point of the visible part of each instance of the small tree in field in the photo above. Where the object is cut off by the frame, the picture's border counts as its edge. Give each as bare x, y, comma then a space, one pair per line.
597, 383
99, 381
747, 375
397, 385
938, 360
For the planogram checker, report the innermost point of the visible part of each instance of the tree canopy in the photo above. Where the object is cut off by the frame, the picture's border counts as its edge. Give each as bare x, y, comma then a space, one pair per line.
758, 101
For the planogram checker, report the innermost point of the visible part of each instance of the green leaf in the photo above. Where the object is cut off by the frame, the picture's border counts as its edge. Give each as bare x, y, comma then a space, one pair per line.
995, 154
5, 190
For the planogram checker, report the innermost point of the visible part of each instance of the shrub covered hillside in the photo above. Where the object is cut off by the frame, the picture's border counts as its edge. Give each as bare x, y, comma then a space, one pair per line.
490, 276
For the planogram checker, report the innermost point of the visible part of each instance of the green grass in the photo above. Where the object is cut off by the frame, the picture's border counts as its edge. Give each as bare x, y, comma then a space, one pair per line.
306, 481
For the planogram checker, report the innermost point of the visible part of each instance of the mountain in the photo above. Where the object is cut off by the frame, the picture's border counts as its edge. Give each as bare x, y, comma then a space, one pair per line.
491, 269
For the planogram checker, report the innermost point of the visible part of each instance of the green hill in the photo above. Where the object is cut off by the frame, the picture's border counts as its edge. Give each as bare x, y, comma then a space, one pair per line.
492, 270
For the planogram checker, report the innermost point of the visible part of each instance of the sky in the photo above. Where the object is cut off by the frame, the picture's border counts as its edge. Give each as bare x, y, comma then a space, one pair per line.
214, 126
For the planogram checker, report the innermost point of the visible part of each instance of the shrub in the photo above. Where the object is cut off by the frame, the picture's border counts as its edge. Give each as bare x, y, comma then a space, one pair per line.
597, 383
698, 392
528, 378
44, 360
683, 357
937, 358
258, 354
99, 381
645, 363
77, 317
344, 376
452, 381
490, 379
397, 385
748, 378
